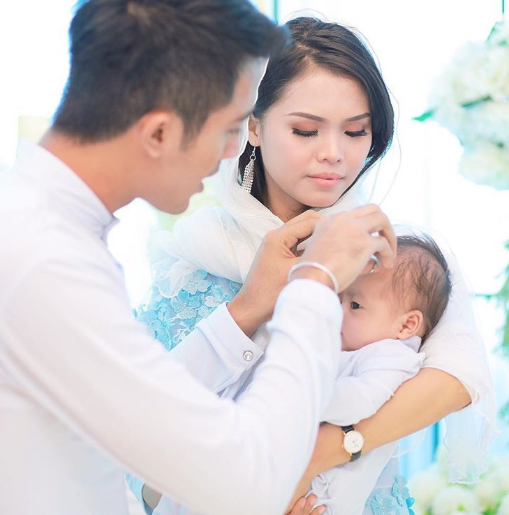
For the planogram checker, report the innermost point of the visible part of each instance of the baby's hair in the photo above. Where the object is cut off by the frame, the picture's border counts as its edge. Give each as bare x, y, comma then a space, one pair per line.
421, 278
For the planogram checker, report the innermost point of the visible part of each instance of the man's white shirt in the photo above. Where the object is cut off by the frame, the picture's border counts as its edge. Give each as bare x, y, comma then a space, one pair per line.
85, 392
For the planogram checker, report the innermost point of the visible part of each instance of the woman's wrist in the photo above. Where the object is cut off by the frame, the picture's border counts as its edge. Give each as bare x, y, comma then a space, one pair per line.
246, 315
329, 450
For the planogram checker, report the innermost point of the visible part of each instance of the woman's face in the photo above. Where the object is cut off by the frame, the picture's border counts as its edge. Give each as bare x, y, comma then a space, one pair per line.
313, 142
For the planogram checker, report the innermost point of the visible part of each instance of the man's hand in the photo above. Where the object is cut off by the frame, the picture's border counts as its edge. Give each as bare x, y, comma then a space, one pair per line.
345, 242
255, 302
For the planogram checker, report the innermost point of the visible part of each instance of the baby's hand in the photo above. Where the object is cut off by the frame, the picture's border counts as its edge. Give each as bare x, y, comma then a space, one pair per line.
304, 506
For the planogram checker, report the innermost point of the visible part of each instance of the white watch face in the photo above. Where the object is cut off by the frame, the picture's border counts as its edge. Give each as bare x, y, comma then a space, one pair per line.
353, 442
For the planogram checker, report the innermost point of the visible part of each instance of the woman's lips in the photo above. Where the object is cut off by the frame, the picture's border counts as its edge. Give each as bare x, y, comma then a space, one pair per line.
326, 180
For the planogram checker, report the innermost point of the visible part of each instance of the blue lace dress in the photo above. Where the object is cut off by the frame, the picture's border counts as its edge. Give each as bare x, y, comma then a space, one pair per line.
171, 320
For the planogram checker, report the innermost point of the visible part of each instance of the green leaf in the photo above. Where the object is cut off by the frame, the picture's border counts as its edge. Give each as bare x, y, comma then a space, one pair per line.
424, 116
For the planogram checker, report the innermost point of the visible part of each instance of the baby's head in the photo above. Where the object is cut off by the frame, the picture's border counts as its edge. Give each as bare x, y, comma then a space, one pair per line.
401, 302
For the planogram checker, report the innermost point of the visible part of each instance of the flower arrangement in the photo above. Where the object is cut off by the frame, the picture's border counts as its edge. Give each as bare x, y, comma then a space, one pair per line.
471, 99
434, 495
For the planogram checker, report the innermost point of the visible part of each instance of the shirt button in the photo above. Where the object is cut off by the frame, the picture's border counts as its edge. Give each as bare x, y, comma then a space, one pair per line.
248, 355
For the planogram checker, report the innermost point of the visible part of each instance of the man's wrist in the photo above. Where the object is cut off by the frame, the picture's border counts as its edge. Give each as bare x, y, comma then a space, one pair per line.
315, 274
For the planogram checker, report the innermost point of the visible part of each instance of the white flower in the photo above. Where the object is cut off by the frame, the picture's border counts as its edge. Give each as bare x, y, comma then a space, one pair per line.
425, 485
490, 121
418, 509
500, 474
488, 492
471, 99
454, 498
504, 506
499, 461
486, 163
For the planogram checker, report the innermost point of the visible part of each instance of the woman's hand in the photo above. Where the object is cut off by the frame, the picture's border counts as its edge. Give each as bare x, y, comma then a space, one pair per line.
255, 302
304, 506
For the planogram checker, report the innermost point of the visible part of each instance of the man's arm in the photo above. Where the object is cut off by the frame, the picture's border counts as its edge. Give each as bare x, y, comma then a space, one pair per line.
87, 362
96, 370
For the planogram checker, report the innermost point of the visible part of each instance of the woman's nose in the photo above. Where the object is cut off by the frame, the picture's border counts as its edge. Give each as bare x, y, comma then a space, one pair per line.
331, 149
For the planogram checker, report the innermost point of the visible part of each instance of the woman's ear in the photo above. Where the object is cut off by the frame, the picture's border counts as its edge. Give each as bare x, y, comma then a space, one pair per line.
254, 128
412, 323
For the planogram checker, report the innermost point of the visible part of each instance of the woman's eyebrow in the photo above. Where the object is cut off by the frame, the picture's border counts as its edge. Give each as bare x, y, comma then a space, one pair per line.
320, 119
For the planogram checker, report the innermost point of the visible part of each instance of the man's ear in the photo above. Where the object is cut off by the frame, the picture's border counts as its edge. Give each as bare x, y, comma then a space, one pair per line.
412, 323
160, 132
254, 128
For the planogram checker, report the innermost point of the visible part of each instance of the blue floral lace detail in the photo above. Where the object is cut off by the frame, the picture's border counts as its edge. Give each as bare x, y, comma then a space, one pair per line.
171, 320
402, 494
396, 501
382, 505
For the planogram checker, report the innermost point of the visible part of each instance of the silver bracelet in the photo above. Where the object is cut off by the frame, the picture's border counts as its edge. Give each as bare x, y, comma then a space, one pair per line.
321, 267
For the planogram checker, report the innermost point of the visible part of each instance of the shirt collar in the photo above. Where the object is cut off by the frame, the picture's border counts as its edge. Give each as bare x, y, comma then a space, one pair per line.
78, 201
414, 342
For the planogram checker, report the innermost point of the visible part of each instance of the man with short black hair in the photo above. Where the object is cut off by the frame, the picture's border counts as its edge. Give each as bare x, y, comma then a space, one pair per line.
157, 93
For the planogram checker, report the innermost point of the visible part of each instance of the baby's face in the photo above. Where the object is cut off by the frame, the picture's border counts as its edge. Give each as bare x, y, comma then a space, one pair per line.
370, 312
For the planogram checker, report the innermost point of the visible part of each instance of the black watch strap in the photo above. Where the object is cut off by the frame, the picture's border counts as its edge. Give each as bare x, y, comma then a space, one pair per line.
356, 455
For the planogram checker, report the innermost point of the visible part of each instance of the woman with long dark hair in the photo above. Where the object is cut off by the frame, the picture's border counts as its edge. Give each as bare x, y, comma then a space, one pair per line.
323, 119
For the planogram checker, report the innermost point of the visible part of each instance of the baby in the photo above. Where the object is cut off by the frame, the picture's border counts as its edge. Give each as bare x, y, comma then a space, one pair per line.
386, 318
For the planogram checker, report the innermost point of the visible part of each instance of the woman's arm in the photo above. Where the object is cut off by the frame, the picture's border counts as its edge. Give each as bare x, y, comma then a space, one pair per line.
423, 400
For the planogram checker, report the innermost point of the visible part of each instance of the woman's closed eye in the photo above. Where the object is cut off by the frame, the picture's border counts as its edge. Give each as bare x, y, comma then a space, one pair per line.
356, 134
305, 134
309, 134
355, 305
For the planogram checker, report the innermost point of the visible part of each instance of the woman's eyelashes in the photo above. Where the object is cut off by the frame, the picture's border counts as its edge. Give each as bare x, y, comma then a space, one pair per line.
356, 134
309, 134
305, 134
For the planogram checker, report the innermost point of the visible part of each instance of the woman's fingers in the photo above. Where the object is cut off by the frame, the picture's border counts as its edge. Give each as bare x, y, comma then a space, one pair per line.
304, 506
298, 229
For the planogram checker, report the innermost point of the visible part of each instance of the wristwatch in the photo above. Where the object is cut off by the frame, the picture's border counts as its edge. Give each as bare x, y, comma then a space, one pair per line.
353, 442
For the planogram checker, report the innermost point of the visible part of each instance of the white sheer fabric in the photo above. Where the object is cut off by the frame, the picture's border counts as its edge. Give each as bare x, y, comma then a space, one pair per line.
223, 241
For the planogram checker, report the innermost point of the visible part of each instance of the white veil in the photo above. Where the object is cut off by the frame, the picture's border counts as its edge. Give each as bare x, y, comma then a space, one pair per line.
223, 241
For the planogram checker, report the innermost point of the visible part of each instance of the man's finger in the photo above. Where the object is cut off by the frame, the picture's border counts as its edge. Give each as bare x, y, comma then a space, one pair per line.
384, 251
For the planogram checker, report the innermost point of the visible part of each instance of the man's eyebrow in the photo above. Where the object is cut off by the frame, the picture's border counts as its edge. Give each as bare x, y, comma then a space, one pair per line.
320, 119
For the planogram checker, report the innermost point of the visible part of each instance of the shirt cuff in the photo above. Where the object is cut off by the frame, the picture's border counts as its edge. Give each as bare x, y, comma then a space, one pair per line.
242, 352
307, 291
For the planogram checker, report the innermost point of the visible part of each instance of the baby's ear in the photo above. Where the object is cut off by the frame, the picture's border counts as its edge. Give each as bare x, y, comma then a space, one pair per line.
412, 323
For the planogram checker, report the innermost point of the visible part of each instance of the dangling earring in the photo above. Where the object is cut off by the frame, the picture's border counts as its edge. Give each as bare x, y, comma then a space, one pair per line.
247, 180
